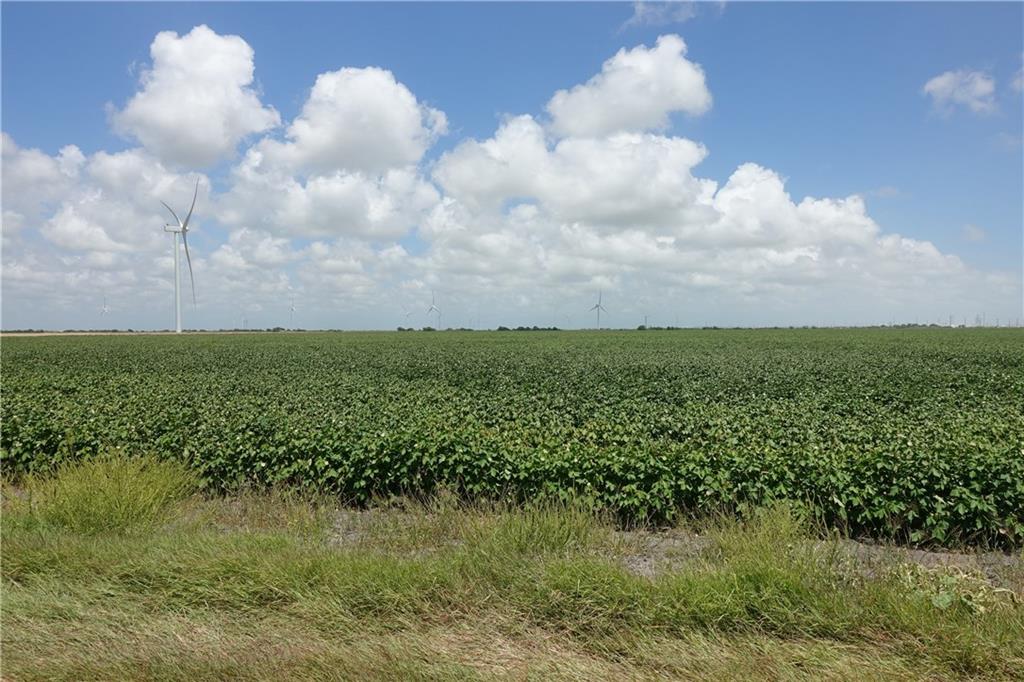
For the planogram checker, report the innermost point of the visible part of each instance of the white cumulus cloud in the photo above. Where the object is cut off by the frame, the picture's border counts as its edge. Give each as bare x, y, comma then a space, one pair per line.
973, 233
349, 165
974, 90
625, 178
661, 12
358, 120
636, 90
197, 101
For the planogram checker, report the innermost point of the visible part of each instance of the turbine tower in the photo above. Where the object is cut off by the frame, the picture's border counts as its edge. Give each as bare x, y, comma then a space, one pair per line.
181, 229
105, 310
598, 307
434, 309
291, 313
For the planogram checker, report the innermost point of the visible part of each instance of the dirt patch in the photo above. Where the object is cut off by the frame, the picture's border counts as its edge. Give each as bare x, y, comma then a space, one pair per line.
1001, 569
649, 553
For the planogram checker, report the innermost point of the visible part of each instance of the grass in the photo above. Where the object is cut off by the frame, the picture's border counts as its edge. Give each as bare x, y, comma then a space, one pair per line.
113, 570
106, 494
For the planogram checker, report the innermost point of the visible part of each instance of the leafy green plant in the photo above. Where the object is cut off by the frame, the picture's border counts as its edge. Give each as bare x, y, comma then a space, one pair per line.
913, 435
948, 587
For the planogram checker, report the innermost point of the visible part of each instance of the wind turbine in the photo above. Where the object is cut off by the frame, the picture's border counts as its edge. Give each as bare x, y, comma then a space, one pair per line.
434, 309
105, 310
598, 307
406, 313
291, 313
181, 229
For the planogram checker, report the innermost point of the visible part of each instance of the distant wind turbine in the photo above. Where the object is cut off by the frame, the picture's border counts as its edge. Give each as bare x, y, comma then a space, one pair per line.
434, 309
181, 229
105, 310
291, 313
598, 307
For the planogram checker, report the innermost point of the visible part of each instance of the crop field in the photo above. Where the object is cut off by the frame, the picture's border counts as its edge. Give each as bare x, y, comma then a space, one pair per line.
909, 434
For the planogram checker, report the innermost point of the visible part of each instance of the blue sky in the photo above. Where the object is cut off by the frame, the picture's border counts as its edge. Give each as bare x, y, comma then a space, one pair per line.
828, 96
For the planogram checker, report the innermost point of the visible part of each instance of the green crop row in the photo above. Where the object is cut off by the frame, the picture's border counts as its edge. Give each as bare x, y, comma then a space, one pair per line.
911, 434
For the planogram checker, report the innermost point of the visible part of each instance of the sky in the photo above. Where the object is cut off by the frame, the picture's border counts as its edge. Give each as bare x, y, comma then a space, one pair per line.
730, 164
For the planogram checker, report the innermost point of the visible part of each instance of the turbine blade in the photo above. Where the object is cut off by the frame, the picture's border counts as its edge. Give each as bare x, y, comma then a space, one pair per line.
184, 239
172, 212
189, 216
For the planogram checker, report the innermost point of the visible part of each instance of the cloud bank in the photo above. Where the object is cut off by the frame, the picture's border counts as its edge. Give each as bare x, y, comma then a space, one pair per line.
343, 208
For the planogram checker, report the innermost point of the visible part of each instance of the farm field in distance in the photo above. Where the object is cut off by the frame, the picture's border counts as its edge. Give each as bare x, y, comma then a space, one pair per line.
914, 435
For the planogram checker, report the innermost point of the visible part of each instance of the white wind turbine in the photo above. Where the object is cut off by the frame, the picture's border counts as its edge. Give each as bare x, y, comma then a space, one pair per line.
434, 309
406, 313
105, 310
181, 229
598, 307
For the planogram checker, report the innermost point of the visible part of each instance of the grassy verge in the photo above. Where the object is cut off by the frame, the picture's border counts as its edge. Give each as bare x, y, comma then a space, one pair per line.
116, 570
